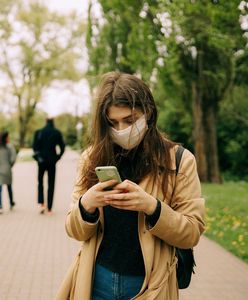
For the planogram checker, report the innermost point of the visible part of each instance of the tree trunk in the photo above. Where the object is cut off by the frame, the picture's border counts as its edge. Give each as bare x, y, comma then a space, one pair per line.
212, 147
22, 130
198, 134
22, 135
25, 115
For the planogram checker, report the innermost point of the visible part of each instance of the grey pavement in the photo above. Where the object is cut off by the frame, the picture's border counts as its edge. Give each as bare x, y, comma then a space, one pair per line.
218, 276
35, 251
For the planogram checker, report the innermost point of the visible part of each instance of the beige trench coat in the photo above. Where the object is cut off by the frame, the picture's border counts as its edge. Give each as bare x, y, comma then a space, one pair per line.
180, 224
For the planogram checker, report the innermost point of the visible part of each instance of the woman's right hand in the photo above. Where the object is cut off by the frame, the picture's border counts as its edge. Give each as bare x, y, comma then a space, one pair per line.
94, 197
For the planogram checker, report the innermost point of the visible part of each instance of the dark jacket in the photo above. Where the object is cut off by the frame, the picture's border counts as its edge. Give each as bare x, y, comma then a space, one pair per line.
45, 142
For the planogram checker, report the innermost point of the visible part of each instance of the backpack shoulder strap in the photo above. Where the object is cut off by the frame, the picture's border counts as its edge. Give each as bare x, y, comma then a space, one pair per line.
179, 154
186, 261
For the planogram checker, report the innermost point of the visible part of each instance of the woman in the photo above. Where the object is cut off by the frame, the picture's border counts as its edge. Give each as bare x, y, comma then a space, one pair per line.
130, 233
7, 160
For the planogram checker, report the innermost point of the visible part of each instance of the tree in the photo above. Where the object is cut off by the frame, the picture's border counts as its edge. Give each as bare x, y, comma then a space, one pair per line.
232, 133
188, 50
211, 35
37, 48
66, 123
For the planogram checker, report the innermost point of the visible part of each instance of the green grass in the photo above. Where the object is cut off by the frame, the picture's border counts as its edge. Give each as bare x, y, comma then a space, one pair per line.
25, 159
227, 216
24, 155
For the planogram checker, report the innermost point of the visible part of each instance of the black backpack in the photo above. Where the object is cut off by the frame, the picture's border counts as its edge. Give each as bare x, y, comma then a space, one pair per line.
186, 261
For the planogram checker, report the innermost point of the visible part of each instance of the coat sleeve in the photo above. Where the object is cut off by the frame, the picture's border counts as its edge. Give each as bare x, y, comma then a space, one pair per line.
12, 154
76, 227
182, 223
61, 144
35, 141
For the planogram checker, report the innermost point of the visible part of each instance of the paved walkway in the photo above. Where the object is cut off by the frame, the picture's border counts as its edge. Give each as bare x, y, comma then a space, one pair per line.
35, 251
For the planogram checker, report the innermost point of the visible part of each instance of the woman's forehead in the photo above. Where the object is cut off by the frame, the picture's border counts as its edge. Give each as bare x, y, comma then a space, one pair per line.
120, 112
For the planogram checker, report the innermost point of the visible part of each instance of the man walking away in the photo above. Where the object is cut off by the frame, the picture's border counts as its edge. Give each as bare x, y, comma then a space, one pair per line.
46, 142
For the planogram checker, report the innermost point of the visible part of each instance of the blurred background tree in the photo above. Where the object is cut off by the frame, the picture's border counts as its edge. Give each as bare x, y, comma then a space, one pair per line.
193, 54
37, 47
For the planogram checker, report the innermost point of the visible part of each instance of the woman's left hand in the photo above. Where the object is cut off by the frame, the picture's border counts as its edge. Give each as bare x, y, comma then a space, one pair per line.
133, 198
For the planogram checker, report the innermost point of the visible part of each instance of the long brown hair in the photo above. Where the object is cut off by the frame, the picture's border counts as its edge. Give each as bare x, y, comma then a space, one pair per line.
122, 89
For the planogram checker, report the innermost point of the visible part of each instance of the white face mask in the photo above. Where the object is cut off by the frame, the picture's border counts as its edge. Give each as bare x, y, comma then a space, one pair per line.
131, 136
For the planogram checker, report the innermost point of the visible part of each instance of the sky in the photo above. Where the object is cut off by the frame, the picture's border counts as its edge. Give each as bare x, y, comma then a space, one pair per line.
61, 99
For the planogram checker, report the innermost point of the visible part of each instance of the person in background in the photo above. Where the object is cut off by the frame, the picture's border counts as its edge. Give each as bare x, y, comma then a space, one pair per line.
129, 233
46, 142
7, 160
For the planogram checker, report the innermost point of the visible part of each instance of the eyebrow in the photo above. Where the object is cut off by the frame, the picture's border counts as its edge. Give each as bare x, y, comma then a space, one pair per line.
127, 117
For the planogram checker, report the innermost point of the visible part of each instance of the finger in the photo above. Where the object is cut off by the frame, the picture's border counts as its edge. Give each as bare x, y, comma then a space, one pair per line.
110, 192
126, 185
119, 196
103, 185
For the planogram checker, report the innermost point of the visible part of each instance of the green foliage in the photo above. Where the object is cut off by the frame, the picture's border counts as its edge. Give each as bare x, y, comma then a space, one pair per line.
66, 123
121, 39
74, 136
227, 216
37, 48
141, 45
134, 37
242, 68
85, 133
5, 8
3, 122
232, 134
176, 123
187, 51
210, 34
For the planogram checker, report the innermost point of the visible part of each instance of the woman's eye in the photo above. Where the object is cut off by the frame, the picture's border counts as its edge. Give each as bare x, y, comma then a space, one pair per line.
130, 122
112, 124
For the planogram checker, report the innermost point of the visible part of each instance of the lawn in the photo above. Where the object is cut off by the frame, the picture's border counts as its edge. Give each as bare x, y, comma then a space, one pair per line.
25, 154
227, 216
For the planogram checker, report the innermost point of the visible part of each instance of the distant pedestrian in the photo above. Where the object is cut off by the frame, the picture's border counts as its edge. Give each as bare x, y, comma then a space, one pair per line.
46, 142
7, 160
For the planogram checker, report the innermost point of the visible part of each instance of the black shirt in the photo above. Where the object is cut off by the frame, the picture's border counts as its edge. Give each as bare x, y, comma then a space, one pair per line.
120, 249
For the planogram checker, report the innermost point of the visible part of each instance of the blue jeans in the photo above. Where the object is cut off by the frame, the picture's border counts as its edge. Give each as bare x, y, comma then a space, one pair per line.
113, 286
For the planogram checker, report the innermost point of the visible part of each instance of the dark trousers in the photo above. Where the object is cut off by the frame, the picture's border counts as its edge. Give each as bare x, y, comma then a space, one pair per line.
9, 187
51, 169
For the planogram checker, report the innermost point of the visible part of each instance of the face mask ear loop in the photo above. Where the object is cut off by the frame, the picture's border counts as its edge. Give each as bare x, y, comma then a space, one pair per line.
133, 108
134, 123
